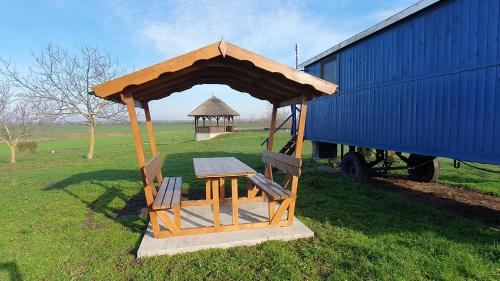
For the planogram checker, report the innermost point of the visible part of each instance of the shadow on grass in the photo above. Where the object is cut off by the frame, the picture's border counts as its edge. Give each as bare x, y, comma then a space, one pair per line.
322, 197
133, 205
12, 270
478, 207
384, 208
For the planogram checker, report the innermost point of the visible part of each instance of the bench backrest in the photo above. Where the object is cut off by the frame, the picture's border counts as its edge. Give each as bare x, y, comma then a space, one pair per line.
152, 170
286, 163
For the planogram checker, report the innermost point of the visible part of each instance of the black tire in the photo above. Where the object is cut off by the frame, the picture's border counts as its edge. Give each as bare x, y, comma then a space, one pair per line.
354, 166
426, 168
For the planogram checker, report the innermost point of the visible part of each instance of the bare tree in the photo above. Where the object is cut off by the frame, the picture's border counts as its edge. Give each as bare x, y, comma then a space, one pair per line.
281, 116
18, 119
63, 81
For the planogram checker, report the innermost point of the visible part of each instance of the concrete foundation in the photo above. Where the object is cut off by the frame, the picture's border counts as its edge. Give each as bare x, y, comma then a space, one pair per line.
205, 136
203, 216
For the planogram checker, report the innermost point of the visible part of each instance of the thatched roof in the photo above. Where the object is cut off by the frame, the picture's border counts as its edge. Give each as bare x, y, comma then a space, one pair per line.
218, 63
213, 107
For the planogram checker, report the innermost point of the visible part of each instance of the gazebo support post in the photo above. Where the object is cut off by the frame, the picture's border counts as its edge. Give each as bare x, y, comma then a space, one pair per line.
134, 125
268, 171
298, 154
151, 136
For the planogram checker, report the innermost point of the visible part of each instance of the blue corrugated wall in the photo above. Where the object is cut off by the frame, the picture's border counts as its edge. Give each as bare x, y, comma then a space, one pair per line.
428, 85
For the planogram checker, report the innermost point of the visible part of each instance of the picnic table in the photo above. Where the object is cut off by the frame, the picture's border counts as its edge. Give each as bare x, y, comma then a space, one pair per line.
215, 170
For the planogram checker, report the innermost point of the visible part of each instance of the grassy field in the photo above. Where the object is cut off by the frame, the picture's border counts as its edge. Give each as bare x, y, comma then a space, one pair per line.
64, 217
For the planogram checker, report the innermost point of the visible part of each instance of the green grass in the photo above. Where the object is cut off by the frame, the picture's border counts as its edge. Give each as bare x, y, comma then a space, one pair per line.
471, 178
64, 217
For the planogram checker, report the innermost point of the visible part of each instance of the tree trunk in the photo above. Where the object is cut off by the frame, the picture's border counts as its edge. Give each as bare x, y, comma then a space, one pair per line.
12, 151
90, 154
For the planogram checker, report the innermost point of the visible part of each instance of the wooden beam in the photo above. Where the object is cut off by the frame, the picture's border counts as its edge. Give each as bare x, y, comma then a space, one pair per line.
153, 218
270, 140
234, 199
207, 190
222, 228
280, 212
149, 126
134, 125
215, 201
151, 136
298, 154
272, 128
301, 129
294, 100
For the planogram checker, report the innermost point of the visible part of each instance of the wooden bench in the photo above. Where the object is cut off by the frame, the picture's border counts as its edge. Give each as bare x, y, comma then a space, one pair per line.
166, 197
273, 190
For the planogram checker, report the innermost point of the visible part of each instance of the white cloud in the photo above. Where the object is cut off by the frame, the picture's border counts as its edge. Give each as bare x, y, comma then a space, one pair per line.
270, 28
267, 27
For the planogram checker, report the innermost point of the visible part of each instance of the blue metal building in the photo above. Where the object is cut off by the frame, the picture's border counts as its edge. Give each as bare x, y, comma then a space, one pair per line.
425, 81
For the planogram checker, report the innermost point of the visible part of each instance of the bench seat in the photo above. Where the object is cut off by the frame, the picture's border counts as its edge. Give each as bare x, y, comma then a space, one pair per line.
272, 189
169, 194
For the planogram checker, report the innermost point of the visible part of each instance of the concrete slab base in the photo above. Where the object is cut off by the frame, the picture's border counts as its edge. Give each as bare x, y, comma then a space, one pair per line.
202, 216
205, 136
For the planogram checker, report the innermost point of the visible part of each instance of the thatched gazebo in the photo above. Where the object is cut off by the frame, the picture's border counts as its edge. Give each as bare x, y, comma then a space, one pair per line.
212, 118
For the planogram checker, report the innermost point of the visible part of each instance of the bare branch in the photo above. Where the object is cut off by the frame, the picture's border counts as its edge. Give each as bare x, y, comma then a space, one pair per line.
59, 84
18, 118
62, 82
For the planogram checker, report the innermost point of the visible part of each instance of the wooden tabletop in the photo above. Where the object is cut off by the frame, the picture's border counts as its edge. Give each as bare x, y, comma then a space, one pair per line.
217, 167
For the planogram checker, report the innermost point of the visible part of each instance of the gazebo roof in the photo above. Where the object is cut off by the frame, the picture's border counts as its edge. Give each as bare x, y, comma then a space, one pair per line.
218, 63
214, 107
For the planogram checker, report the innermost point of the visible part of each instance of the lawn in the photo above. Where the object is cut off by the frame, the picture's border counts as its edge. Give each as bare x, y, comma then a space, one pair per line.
64, 217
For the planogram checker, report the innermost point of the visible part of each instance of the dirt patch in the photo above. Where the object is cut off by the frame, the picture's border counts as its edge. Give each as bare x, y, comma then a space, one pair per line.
479, 207
90, 223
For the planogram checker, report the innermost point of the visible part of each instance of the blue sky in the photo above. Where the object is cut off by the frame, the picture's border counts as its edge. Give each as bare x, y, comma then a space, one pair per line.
141, 33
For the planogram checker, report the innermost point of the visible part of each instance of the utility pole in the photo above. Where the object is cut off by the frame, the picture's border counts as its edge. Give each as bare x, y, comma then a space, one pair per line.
293, 107
296, 56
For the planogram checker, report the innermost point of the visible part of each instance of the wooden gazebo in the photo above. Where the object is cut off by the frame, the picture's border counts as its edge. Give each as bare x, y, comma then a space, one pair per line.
244, 71
212, 118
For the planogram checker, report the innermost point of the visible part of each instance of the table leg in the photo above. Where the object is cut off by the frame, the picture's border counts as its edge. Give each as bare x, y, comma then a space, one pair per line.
215, 201
207, 190
222, 189
177, 216
234, 197
252, 189
271, 208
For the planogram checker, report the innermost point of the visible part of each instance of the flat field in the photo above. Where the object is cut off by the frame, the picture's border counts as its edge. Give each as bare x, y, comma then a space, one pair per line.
64, 217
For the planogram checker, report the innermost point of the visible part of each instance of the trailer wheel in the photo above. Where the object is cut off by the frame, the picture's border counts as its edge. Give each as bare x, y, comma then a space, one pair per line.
354, 166
426, 168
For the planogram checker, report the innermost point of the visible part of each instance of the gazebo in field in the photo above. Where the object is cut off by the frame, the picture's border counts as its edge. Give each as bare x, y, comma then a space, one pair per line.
267, 204
212, 118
